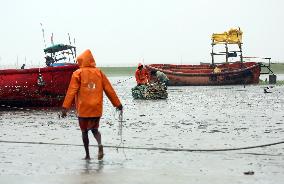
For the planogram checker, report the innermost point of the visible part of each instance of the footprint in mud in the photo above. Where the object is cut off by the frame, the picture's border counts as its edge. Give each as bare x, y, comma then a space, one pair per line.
216, 131
176, 126
202, 126
267, 131
184, 123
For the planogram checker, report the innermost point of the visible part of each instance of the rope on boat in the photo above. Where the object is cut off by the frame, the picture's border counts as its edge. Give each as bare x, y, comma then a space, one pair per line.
151, 148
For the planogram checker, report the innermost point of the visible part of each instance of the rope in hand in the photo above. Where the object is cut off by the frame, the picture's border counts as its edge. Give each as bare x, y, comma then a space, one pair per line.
119, 133
120, 126
120, 119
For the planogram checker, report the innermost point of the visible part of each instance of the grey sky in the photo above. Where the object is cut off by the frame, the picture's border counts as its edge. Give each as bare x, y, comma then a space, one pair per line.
123, 32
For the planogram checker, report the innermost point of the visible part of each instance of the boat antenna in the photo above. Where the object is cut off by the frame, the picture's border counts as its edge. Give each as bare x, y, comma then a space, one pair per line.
17, 61
69, 39
43, 35
51, 39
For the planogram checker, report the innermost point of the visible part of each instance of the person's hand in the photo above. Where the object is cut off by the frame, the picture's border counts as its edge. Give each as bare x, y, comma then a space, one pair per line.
64, 113
120, 107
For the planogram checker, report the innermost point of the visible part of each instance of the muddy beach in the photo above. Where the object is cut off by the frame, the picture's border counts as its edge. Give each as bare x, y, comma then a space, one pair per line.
199, 118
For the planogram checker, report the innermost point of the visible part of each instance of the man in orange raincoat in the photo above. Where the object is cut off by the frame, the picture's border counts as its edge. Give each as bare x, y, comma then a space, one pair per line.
141, 75
87, 86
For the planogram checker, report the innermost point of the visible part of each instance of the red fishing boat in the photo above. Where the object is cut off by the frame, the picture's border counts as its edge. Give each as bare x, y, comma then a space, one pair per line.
45, 86
227, 73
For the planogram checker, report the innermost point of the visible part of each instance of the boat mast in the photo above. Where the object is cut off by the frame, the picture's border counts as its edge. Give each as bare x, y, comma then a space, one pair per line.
241, 51
43, 35
227, 53
212, 52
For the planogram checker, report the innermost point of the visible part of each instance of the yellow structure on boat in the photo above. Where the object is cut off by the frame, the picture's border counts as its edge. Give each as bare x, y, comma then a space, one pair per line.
233, 36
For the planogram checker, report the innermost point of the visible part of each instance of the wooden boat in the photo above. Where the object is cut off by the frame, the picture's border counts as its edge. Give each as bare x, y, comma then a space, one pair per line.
227, 73
230, 73
44, 86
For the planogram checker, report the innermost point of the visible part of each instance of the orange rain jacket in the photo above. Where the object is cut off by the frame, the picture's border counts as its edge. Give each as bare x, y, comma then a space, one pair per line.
86, 87
141, 75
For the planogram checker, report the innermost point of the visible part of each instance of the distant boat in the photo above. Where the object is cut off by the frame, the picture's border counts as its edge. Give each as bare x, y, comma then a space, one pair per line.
38, 87
226, 73
196, 75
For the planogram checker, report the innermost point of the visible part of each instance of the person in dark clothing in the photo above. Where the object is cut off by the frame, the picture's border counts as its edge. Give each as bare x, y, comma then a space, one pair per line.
23, 66
160, 76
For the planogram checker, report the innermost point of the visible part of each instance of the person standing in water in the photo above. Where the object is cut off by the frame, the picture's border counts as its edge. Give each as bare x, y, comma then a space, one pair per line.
86, 87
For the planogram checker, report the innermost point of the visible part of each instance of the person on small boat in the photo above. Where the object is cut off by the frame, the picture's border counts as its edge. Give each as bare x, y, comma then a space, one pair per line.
141, 75
217, 70
160, 77
49, 60
23, 66
87, 86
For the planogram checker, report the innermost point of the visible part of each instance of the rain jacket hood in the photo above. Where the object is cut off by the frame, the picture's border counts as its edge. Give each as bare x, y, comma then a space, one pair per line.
86, 59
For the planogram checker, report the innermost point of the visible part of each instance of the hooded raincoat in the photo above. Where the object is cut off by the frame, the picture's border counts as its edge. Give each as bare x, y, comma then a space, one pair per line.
87, 86
141, 76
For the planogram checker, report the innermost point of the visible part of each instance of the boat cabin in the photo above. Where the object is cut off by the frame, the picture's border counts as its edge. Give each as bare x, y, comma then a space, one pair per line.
59, 55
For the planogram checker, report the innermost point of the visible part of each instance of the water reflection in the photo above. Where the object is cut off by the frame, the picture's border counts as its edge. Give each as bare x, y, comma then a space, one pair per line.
93, 167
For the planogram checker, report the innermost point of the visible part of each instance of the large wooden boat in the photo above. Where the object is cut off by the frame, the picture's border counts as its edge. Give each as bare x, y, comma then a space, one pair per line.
229, 73
226, 73
45, 86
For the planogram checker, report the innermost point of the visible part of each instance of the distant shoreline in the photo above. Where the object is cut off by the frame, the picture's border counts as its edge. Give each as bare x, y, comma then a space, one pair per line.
277, 68
118, 71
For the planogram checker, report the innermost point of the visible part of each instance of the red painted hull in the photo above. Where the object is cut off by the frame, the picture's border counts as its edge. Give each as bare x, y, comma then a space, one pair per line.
199, 75
21, 88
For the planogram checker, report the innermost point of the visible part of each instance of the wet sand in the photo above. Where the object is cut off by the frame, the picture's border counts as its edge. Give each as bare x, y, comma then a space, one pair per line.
217, 117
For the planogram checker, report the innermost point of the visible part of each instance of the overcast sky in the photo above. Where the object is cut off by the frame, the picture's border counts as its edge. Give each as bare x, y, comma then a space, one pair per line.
124, 32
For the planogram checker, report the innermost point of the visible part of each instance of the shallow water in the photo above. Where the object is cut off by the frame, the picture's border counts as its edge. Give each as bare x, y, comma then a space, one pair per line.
266, 76
192, 117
